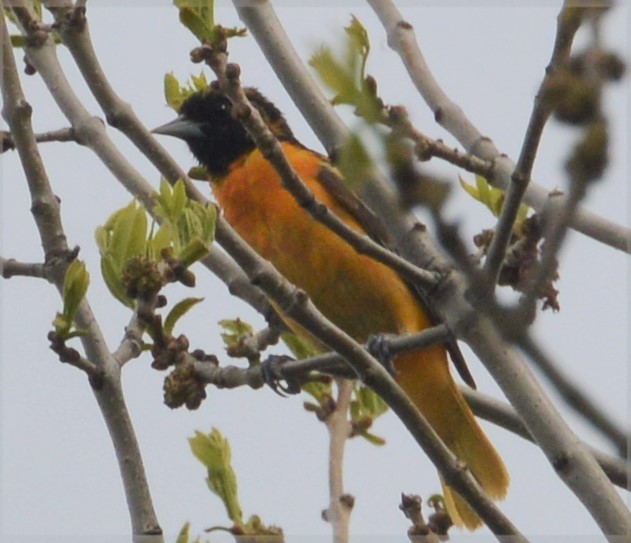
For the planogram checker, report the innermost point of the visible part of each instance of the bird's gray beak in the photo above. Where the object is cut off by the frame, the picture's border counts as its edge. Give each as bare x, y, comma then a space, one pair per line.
180, 128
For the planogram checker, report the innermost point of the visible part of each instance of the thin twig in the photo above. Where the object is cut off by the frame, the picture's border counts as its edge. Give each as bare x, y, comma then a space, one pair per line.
401, 38
296, 306
9, 267
74, 31
339, 427
576, 398
568, 23
61, 135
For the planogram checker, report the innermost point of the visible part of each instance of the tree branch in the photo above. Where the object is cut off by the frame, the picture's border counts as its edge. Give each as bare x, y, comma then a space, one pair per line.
61, 135
74, 31
504, 416
450, 116
515, 379
9, 267
339, 427
568, 23
575, 397
45, 208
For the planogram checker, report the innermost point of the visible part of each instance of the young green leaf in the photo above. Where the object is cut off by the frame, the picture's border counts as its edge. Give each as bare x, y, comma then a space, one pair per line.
76, 282
346, 75
179, 310
492, 198
234, 331
198, 17
213, 450
299, 347
122, 237
354, 162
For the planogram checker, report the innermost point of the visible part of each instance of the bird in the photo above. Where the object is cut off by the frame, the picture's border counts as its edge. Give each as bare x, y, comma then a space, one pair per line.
360, 295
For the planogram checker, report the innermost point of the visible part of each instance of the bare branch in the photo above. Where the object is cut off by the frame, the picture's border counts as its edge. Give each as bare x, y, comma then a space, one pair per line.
75, 34
568, 22
9, 267
61, 135
506, 417
577, 398
401, 38
339, 427
46, 214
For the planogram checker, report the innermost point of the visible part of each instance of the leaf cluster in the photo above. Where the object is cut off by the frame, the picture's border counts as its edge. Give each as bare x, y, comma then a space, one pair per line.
346, 75
131, 250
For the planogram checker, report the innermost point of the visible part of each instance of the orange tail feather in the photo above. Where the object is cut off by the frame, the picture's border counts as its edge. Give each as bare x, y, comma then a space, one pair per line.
425, 377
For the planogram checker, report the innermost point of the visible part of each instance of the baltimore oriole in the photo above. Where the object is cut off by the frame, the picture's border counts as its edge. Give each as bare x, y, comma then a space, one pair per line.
357, 293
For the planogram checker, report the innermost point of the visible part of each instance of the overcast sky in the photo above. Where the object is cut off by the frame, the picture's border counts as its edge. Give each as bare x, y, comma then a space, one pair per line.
59, 474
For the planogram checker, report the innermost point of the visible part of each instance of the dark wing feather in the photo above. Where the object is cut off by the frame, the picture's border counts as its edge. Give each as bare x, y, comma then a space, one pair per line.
372, 225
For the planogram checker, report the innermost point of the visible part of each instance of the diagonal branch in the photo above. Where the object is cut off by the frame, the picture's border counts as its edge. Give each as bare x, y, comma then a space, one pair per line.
401, 38
45, 208
578, 469
568, 22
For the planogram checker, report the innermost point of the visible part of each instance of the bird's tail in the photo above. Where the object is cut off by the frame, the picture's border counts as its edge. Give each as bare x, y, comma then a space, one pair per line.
425, 377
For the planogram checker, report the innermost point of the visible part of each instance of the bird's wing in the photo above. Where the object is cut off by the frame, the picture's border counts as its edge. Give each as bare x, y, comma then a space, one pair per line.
333, 182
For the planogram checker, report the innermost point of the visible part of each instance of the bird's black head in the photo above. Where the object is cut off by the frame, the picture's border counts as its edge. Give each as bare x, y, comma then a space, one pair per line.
214, 136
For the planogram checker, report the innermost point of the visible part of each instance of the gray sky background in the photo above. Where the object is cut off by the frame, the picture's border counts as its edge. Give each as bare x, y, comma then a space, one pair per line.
59, 474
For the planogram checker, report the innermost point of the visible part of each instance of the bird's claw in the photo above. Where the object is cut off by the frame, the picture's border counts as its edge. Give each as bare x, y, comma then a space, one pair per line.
273, 376
378, 345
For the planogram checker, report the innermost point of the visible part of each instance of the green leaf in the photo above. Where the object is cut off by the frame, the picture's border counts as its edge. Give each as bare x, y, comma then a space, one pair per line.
213, 450
18, 41
179, 310
234, 331
320, 392
492, 198
358, 46
370, 403
354, 162
62, 325
346, 75
364, 409
128, 233
299, 347
255, 527
191, 225
194, 251
332, 73
112, 276
178, 198
160, 240
173, 93
198, 17
75, 287
199, 82
122, 237
183, 535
